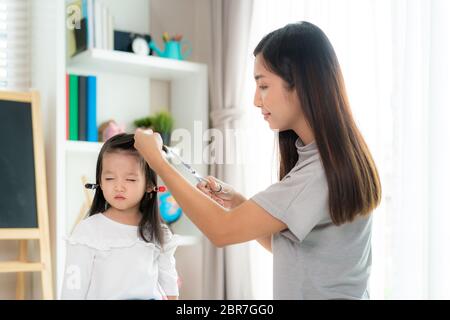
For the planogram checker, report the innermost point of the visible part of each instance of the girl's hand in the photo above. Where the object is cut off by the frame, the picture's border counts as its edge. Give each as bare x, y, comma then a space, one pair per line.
149, 144
227, 197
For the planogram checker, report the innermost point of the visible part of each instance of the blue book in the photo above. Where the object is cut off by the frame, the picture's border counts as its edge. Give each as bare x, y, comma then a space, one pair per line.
91, 126
84, 8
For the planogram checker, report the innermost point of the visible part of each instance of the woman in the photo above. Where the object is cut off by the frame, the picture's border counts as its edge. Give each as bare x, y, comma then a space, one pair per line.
316, 220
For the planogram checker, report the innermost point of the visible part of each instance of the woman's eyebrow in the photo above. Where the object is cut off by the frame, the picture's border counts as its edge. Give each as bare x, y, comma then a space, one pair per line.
259, 76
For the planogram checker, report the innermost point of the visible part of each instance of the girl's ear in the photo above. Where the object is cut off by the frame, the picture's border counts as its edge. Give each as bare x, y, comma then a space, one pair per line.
149, 189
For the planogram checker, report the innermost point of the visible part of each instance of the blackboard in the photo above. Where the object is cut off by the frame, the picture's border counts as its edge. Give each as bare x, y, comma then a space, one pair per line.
23, 187
18, 207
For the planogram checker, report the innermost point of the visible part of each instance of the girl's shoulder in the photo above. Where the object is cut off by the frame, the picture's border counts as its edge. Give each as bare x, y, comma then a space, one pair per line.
86, 231
100, 233
86, 226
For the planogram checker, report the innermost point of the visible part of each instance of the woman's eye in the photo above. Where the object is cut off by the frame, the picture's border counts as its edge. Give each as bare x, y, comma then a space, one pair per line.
263, 87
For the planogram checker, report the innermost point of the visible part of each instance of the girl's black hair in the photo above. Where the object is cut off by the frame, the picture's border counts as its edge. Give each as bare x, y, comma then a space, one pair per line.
150, 228
301, 54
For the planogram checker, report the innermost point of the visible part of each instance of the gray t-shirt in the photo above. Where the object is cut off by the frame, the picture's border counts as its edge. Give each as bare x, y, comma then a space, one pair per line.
313, 258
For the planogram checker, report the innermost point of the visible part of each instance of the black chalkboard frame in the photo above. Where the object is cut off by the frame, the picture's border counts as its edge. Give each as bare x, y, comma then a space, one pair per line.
41, 231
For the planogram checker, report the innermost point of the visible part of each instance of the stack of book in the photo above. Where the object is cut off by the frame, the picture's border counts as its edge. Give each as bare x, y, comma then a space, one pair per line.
81, 108
90, 25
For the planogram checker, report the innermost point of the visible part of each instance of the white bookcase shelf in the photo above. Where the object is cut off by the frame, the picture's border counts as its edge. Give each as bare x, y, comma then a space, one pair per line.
124, 93
83, 147
120, 62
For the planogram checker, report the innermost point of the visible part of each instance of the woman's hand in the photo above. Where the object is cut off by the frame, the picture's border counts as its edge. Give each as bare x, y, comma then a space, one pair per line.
226, 196
149, 144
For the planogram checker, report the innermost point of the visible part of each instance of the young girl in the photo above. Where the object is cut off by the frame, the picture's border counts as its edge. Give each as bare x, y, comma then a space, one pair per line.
122, 250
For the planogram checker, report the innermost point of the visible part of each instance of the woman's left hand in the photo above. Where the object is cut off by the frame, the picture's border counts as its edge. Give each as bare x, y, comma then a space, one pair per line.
149, 144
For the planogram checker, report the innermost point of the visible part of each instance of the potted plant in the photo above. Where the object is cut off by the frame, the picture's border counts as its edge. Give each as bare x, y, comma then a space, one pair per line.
162, 122
145, 122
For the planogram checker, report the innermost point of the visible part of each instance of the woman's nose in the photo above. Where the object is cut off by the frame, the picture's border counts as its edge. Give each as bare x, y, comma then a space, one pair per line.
257, 99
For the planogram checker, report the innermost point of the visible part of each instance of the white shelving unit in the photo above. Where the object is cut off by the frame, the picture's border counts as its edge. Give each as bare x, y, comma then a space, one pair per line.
188, 105
127, 63
83, 147
124, 94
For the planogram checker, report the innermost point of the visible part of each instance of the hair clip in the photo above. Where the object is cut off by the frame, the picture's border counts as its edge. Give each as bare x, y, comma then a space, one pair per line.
91, 186
159, 189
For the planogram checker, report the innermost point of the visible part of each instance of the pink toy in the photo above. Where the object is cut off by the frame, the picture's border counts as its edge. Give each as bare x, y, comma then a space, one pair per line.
110, 129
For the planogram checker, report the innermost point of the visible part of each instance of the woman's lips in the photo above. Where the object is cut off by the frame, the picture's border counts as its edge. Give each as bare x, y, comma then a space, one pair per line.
266, 115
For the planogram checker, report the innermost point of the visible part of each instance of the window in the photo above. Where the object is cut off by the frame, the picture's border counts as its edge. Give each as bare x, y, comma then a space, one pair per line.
14, 44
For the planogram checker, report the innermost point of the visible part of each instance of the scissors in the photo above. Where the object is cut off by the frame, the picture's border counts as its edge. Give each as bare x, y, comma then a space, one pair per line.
199, 178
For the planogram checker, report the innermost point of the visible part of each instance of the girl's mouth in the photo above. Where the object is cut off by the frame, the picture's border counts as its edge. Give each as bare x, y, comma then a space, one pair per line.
119, 198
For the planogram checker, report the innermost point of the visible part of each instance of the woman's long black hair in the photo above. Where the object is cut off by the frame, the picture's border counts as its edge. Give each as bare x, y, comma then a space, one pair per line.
150, 228
301, 54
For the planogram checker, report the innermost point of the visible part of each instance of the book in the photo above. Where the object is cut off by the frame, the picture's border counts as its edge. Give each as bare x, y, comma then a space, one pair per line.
92, 132
81, 37
84, 8
90, 24
67, 107
104, 22
82, 88
73, 107
97, 25
110, 31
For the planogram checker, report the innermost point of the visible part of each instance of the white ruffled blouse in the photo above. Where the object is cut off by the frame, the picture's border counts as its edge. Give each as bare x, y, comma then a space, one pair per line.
109, 260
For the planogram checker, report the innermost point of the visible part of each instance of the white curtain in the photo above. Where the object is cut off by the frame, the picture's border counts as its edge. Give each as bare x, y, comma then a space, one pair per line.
395, 58
227, 273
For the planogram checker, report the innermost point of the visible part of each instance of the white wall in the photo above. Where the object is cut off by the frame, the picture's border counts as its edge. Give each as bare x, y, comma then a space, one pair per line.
187, 17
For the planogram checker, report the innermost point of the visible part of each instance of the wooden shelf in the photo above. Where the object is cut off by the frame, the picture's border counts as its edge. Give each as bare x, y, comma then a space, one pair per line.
83, 146
118, 62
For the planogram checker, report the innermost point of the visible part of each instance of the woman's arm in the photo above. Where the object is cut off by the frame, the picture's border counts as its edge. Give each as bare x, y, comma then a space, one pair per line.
229, 200
266, 242
246, 222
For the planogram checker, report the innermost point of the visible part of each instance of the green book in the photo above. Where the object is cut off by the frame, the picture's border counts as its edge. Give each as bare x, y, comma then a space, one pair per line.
73, 107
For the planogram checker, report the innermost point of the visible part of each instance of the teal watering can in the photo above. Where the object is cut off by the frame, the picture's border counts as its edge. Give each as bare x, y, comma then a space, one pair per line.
172, 49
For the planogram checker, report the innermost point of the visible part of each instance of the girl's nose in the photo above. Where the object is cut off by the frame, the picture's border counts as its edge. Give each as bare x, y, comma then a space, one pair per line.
119, 186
